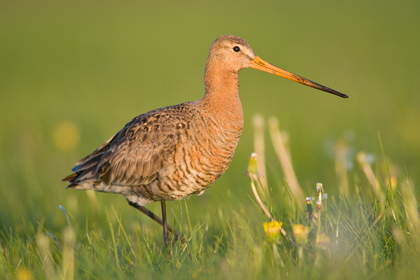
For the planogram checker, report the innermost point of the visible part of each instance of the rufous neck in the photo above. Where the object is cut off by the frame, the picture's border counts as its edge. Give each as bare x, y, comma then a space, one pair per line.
219, 82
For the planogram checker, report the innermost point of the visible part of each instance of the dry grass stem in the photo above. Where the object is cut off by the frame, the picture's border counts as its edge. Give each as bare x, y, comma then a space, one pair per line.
253, 175
285, 160
259, 149
367, 170
43, 243
68, 253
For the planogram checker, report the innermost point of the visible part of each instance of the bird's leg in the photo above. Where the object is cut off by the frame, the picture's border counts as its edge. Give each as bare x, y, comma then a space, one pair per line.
158, 220
165, 224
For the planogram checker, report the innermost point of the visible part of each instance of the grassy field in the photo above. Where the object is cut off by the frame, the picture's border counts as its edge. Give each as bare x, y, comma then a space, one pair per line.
71, 75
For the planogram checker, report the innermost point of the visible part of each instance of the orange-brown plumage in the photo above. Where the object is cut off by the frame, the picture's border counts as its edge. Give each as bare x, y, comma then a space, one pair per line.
174, 152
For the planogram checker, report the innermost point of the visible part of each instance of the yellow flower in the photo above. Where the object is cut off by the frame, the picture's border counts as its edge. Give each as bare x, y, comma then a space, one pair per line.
65, 135
272, 230
24, 274
301, 234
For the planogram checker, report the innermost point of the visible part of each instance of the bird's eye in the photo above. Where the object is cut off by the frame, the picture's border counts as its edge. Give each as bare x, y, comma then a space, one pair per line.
236, 49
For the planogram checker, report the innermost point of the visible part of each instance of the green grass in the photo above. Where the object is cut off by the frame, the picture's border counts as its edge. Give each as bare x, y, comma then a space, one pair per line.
72, 74
362, 234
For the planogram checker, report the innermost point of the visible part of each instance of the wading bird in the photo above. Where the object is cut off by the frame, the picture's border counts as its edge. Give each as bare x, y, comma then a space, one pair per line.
174, 152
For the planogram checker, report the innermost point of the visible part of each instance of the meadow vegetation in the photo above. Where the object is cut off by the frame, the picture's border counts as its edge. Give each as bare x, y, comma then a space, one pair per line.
72, 74
363, 231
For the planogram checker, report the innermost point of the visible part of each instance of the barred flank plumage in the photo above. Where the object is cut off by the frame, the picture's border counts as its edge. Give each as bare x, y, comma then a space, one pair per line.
169, 153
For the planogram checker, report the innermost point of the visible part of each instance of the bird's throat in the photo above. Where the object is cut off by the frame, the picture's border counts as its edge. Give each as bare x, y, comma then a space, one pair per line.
222, 87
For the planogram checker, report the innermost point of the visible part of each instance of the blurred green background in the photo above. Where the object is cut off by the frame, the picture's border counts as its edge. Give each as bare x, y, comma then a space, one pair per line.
73, 73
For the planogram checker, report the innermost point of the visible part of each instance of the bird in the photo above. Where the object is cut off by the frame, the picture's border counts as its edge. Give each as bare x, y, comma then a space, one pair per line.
174, 152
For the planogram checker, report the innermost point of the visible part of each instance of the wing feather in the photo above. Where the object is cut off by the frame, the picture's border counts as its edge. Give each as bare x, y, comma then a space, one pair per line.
136, 154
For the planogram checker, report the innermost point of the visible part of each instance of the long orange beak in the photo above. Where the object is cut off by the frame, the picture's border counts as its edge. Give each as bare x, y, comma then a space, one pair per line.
262, 65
